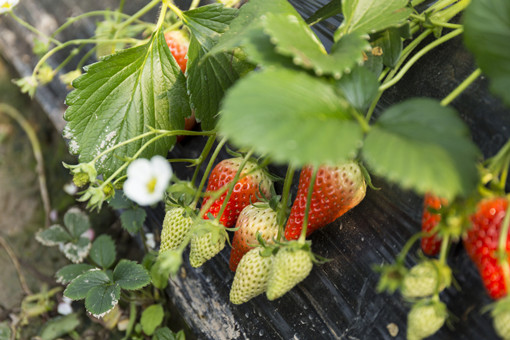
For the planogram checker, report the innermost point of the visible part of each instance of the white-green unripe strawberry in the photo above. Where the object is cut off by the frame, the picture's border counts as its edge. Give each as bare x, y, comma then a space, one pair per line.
208, 241
425, 278
425, 319
501, 318
290, 266
176, 226
251, 276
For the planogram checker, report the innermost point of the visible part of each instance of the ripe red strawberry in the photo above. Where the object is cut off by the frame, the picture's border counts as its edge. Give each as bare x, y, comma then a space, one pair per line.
290, 266
337, 189
245, 191
251, 276
253, 218
481, 243
178, 44
431, 244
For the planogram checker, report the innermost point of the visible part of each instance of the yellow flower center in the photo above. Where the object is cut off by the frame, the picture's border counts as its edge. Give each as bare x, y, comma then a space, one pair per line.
6, 5
151, 185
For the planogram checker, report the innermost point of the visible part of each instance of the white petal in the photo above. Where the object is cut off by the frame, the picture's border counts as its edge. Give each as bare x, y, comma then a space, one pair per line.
139, 169
64, 308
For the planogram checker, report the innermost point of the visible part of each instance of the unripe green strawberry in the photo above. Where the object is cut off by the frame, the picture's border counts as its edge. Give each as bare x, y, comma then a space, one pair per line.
207, 243
251, 276
176, 226
258, 218
501, 318
425, 319
425, 278
290, 266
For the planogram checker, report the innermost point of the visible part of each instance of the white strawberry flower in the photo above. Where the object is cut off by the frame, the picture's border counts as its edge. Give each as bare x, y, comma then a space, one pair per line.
7, 5
147, 180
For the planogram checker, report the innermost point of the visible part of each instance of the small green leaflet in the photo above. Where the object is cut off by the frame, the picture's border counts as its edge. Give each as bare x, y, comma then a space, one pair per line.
103, 251
130, 275
487, 36
102, 299
423, 146
293, 38
77, 222
333, 8
119, 98
59, 326
152, 317
80, 286
290, 116
209, 78
359, 87
68, 273
390, 42
370, 16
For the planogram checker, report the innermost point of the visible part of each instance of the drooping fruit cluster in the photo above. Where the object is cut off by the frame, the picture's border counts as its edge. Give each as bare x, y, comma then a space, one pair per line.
481, 243
336, 190
253, 182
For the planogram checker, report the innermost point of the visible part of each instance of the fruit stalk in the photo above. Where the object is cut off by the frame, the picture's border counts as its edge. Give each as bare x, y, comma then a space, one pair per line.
502, 251
282, 213
302, 237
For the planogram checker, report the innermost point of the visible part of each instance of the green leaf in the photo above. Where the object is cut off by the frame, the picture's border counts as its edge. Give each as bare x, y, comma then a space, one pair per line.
423, 146
152, 317
370, 16
120, 97
53, 236
487, 36
209, 78
102, 299
77, 251
132, 220
333, 8
293, 38
70, 272
164, 333
79, 287
120, 201
359, 87
290, 116
130, 275
5, 331
390, 42
77, 222
103, 251
59, 326
247, 24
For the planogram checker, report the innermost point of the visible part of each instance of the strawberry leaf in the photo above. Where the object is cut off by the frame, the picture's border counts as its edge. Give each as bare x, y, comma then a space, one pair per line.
293, 38
487, 36
68, 273
359, 87
120, 97
77, 222
80, 286
275, 112
103, 251
101, 299
151, 318
370, 16
424, 146
327, 11
209, 78
132, 219
130, 275
52, 236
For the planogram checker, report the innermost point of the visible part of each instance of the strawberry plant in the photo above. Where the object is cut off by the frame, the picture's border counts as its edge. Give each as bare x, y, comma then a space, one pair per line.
259, 81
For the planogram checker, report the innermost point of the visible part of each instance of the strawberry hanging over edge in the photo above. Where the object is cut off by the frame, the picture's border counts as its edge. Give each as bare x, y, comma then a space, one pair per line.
481, 243
337, 189
258, 218
246, 190
431, 244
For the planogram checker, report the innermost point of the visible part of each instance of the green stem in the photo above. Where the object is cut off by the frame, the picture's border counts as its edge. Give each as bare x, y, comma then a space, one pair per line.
502, 251
440, 5
403, 253
194, 4
70, 57
132, 319
302, 237
32, 28
445, 242
139, 14
36, 148
86, 57
234, 182
462, 86
287, 184
418, 55
207, 170
116, 146
203, 155
435, 22
174, 9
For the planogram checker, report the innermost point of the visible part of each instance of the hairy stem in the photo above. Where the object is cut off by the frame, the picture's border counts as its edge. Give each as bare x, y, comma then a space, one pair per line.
462, 86
33, 29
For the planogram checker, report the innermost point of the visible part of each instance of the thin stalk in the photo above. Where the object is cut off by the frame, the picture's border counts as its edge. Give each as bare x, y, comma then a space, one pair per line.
502, 251
435, 22
462, 86
86, 57
33, 29
287, 184
403, 253
132, 319
207, 170
194, 4
234, 182
15, 262
440, 5
417, 57
36, 149
140, 13
203, 155
174, 9
445, 242
302, 237
66, 61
